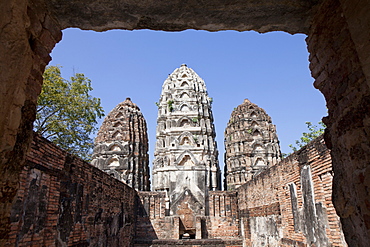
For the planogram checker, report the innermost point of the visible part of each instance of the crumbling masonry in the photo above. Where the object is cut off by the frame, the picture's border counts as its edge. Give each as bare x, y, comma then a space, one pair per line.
251, 144
278, 203
121, 146
63, 200
337, 39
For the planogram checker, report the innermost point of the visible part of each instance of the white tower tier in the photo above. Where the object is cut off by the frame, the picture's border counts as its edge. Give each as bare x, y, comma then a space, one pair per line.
186, 156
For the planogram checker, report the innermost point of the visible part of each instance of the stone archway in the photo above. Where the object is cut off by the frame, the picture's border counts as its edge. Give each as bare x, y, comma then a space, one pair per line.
338, 41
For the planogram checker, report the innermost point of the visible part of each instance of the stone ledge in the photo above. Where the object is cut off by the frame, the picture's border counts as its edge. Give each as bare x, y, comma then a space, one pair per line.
190, 242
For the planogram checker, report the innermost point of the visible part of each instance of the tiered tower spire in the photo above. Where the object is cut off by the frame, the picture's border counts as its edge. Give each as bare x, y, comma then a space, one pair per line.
186, 156
251, 144
121, 146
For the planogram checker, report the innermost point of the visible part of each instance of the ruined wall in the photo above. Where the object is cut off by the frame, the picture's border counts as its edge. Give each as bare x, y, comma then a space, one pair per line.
290, 203
222, 221
154, 221
27, 35
338, 40
338, 43
64, 201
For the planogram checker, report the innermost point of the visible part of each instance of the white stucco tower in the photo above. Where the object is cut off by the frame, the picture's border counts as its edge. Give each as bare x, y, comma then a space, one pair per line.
186, 156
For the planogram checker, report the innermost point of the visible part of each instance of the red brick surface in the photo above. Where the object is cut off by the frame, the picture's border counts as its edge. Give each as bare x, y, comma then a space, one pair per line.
63, 200
339, 48
268, 195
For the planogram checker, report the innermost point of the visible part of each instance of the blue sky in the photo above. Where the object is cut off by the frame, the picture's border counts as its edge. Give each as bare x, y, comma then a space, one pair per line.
271, 70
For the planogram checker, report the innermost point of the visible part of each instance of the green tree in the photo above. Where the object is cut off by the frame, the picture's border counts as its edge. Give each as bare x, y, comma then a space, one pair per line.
313, 132
66, 113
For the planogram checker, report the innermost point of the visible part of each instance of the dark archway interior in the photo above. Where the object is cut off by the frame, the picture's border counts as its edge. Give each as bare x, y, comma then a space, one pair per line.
338, 42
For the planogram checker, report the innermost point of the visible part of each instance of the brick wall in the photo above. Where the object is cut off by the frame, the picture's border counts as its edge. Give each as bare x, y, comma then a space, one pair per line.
290, 203
64, 201
28, 34
220, 221
339, 46
152, 222
338, 43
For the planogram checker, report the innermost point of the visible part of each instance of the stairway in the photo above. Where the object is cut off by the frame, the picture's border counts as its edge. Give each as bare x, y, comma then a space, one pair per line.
188, 243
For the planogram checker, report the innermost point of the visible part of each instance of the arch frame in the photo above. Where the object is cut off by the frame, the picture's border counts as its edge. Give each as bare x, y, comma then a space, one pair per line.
182, 156
324, 21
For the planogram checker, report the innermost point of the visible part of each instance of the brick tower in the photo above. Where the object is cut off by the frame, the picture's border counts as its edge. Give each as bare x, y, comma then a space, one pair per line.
251, 144
186, 163
121, 146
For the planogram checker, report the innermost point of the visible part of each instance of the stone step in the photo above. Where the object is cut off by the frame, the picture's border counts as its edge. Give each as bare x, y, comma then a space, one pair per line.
189, 243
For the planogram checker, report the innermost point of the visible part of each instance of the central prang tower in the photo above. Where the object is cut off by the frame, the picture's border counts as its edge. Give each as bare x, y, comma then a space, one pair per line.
186, 164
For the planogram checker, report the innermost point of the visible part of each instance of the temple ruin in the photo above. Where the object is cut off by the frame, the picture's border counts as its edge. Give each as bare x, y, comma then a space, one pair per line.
186, 156
121, 146
338, 43
66, 201
186, 206
251, 144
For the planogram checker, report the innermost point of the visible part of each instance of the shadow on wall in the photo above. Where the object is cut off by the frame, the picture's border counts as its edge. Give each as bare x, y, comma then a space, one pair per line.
64, 201
290, 204
145, 233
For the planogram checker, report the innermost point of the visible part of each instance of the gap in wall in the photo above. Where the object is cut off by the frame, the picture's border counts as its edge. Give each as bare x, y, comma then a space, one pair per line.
271, 70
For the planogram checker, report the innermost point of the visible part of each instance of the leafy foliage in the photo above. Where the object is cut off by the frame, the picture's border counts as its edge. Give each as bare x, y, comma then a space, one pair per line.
195, 138
170, 105
313, 132
66, 113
